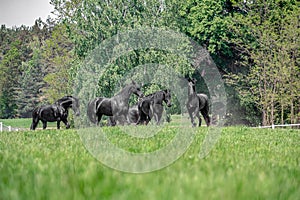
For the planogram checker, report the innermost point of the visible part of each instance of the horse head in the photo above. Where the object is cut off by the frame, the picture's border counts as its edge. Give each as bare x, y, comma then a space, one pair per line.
136, 89
70, 102
75, 106
192, 80
192, 85
167, 97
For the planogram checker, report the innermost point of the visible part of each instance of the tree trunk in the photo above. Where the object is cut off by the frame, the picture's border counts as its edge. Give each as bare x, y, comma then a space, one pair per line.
272, 110
264, 117
282, 112
292, 112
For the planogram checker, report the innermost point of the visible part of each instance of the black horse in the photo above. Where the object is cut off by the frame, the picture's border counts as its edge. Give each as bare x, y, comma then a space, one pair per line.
133, 114
152, 106
116, 107
56, 112
197, 103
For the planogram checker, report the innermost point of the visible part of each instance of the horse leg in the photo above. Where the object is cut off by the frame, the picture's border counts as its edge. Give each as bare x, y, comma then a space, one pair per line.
65, 121
34, 124
58, 124
205, 115
127, 121
192, 118
199, 118
99, 119
141, 114
120, 119
112, 121
44, 124
159, 113
156, 118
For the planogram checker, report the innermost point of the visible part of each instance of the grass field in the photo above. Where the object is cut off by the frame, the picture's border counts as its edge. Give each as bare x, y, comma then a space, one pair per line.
24, 123
246, 163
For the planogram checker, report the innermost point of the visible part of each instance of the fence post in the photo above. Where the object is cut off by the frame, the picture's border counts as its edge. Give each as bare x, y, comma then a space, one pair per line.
273, 126
9, 128
1, 126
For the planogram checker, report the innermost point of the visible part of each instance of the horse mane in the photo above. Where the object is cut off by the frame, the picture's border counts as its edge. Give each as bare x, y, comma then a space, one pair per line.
154, 93
64, 98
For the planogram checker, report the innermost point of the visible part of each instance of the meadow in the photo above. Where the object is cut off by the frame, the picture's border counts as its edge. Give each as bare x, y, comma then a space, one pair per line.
246, 163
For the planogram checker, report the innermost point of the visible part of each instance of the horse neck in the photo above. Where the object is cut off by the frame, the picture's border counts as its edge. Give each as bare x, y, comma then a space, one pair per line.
191, 91
159, 97
125, 93
66, 104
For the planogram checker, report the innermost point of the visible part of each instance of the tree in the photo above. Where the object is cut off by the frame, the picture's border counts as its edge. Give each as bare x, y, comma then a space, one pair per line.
30, 84
9, 75
21, 68
271, 51
90, 22
59, 58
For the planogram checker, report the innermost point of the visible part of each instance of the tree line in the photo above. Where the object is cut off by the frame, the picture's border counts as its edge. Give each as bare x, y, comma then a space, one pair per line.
255, 45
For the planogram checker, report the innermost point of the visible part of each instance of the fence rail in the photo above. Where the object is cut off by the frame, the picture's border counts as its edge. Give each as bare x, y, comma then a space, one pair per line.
273, 126
7, 128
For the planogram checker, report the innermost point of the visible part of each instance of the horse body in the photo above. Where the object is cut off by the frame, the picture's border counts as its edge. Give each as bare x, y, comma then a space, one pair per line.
56, 112
116, 107
133, 114
197, 103
152, 106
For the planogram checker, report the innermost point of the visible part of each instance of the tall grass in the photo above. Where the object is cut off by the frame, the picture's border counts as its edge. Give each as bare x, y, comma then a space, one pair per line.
246, 163
25, 123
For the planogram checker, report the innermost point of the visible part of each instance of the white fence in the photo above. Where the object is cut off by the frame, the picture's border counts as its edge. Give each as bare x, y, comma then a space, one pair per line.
7, 128
279, 125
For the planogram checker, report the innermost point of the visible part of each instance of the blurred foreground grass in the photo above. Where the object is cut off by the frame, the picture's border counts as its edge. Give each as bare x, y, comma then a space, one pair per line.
246, 163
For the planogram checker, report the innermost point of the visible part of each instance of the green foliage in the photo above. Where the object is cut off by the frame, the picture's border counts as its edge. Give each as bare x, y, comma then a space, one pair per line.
255, 45
9, 75
208, 22
246, 163
35, 63
90, 22
59, 57
272, 80
30, 84
21, 71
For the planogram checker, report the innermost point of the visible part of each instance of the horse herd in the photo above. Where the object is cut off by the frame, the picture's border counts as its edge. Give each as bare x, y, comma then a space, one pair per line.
118, 110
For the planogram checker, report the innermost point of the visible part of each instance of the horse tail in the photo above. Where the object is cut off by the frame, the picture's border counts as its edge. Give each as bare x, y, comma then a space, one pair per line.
92, 110
35, 118
203, 100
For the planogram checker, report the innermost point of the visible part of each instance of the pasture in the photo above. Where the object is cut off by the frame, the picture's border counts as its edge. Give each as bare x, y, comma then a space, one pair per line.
246, 163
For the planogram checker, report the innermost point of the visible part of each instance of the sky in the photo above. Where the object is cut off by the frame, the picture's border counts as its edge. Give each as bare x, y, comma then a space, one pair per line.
18, 12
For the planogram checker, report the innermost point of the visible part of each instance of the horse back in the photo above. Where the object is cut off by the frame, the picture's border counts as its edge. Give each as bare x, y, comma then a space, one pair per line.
133, 114
48, 113
203, 100
104, 106
92, 110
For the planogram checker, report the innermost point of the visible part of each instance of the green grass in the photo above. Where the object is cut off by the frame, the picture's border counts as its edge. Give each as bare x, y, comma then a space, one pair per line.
245, 163
25, 123
20, 123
